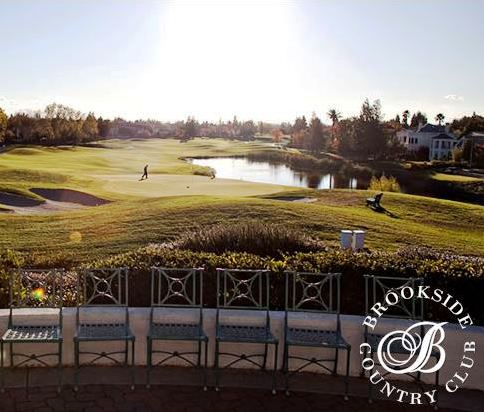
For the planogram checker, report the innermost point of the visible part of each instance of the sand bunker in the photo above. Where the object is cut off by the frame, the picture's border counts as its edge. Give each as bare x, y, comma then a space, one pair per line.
295, 199
56, 200
16, 200
69, 196
47, 207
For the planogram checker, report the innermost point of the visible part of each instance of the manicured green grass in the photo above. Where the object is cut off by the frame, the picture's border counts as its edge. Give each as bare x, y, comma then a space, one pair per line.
122, 226
173, 201
113, 171
455, 178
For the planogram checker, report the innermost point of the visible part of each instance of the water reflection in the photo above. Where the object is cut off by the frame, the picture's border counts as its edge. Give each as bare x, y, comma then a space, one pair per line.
280, 174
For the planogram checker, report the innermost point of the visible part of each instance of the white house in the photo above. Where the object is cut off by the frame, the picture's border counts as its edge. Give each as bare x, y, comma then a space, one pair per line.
437, 139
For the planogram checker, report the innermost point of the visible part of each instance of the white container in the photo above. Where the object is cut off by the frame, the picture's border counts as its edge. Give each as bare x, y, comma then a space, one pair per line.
358, 240
346, 239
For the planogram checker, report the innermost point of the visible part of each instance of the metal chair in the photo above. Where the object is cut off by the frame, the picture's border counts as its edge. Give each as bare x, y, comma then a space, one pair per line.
103, 288
34, 288
249, 290
317, 293
376, 287
181, 289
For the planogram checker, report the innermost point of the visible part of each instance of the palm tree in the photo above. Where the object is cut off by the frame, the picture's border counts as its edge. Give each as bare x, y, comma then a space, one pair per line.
439, 118
405, 115
334, 116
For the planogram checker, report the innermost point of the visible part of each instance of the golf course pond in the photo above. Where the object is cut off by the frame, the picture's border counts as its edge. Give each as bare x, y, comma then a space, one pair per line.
241, 168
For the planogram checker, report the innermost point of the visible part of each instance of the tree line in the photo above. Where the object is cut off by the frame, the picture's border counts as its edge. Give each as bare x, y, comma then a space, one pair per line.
58, 124
55, 125
366, 135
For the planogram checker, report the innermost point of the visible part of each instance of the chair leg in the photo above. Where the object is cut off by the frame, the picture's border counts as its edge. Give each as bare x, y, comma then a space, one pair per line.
436, 406
27, 379
264, 363
76, 365
126, 352
274, 367
132, 365
286, 368
149, 346
335, 367
11, 354
217, 371
59, 366
370, 389
199, 353
362, 371
10, 366
2, 369
348, 357
205, 366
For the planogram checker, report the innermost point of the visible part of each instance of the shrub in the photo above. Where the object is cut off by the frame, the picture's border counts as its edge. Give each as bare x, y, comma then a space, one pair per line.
297, 160
309, 163
461, 276
254, 237
457, 154
384, 184
9, 260
206, 171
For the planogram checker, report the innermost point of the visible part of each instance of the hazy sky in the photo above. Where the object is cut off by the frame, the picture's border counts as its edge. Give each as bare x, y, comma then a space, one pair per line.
266, 60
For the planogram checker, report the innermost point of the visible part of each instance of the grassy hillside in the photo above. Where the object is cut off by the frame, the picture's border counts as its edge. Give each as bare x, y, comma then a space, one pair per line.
174, 200
126, 225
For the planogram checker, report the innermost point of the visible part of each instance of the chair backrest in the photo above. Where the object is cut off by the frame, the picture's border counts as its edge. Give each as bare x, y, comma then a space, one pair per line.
180, 288
36, 288
176, 287
243, 289
377, 287
103, 287
313, 292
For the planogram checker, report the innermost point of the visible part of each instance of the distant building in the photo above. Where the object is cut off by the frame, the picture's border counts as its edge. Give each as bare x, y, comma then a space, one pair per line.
438, 139
476, 138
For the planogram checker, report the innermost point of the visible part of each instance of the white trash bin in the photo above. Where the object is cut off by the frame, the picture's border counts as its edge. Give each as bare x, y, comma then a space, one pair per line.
346, 239
358, 239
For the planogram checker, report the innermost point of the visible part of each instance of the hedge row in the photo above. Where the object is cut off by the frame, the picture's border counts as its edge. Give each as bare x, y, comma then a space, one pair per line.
461, 276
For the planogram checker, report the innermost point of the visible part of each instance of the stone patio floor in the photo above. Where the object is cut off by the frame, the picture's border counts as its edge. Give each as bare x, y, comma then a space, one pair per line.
179, 390
103, 398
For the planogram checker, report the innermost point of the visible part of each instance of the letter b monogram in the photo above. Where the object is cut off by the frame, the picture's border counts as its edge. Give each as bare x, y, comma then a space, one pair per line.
407, 351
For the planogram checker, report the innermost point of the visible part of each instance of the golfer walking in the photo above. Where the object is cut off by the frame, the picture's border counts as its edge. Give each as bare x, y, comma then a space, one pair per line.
145, 173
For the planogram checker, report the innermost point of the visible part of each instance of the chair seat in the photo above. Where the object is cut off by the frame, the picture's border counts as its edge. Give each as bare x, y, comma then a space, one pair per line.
374, 339
103, 331
33, 334
176, 331
315, 337
237, 333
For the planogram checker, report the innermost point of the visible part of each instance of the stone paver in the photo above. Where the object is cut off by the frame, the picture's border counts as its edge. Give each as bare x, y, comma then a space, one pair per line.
103, 398
105, 389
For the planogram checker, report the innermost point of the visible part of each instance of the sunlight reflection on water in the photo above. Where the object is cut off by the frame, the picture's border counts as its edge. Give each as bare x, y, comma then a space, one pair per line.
280, 174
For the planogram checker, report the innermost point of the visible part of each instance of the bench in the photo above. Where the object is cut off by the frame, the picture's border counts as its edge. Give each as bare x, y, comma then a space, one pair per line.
374, 202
